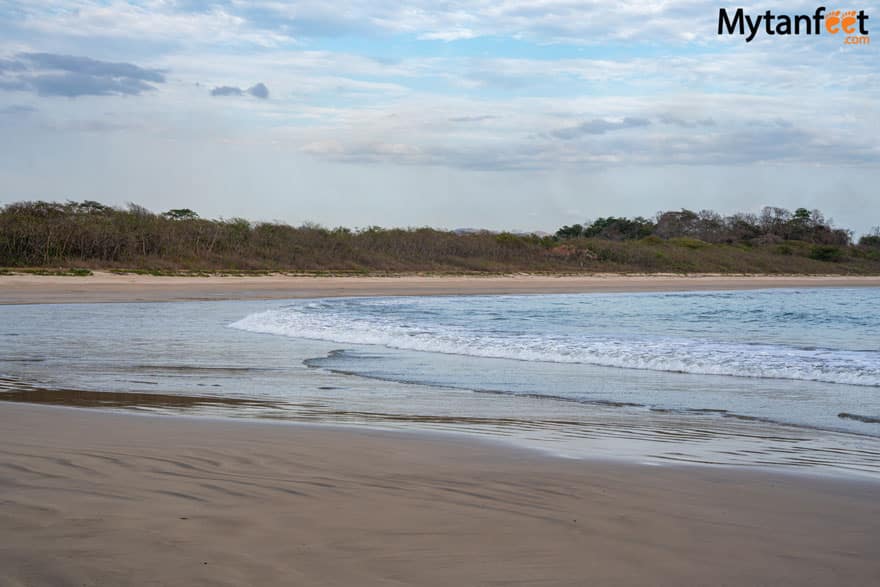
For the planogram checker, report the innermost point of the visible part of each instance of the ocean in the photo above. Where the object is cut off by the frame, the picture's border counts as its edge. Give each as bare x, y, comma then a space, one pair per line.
785, 378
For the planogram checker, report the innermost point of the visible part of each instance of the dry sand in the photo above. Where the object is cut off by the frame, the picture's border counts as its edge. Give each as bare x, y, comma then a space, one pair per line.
90, 498
109, 287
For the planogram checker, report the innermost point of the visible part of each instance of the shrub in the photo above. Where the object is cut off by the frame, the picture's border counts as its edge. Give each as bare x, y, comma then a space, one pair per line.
872, 239
784, 250
690, 243
828, 253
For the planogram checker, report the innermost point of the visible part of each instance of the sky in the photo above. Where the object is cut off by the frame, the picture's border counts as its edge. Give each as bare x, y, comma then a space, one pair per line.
506, 115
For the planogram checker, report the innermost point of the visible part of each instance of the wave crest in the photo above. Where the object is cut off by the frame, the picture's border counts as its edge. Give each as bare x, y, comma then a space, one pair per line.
340, 323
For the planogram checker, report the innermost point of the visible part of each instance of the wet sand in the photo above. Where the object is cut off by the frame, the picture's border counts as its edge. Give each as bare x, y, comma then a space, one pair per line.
93, 498
109, 287
659, 437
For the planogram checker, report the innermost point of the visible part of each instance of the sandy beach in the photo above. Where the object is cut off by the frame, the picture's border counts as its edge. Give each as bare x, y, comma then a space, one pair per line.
104, 498
110, 499
110, 287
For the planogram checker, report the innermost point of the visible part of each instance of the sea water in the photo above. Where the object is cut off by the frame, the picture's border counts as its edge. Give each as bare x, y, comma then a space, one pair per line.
797, 356
774, 377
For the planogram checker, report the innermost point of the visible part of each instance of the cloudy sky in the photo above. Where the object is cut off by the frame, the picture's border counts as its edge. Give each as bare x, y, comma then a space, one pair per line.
514, 114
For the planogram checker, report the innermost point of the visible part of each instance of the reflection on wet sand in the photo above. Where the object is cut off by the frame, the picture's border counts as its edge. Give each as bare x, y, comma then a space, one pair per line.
15, 391
604, 432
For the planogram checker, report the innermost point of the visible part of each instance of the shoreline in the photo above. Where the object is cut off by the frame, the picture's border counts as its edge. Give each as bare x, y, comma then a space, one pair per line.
94, 496
110, 498
504, 431
105, 287
468, 437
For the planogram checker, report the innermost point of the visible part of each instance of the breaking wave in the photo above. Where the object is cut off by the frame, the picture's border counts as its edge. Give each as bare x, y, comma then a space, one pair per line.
443, 328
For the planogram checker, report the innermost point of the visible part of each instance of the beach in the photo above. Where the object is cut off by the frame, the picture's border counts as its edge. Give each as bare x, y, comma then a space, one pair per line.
453, 294
108, 499
111, 287
299, 471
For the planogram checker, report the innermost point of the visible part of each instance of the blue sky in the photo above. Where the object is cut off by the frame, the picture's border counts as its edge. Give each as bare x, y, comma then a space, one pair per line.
515, 114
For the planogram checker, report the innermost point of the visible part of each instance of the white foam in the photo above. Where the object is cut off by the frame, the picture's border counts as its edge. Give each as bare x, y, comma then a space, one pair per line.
343, 324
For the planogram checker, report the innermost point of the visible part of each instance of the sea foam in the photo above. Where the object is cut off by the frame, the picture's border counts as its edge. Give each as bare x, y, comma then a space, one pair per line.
421, 327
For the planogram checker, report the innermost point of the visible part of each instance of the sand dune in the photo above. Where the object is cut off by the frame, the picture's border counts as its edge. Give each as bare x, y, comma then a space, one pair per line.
93, 498
109, 287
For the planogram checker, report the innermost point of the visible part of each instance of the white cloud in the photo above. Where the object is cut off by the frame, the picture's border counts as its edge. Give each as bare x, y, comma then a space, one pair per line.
448, 35
151, 20
585, 22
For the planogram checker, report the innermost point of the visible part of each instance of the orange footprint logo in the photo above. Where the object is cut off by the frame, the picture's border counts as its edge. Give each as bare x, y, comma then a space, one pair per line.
848, 22
832, 21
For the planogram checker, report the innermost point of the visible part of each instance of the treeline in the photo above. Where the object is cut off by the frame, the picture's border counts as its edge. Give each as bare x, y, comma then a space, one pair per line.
772, 225
93, 235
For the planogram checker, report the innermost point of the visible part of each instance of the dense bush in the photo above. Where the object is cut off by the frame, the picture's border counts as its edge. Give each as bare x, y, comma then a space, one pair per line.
92, 235
771, 226
826, 253
872, 239
89, 233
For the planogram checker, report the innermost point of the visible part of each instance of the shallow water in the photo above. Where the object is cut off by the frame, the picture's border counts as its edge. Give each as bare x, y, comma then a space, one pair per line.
755, 378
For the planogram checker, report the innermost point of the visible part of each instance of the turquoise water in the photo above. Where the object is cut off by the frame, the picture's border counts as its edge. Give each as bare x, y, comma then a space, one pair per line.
760, 378
814, 353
